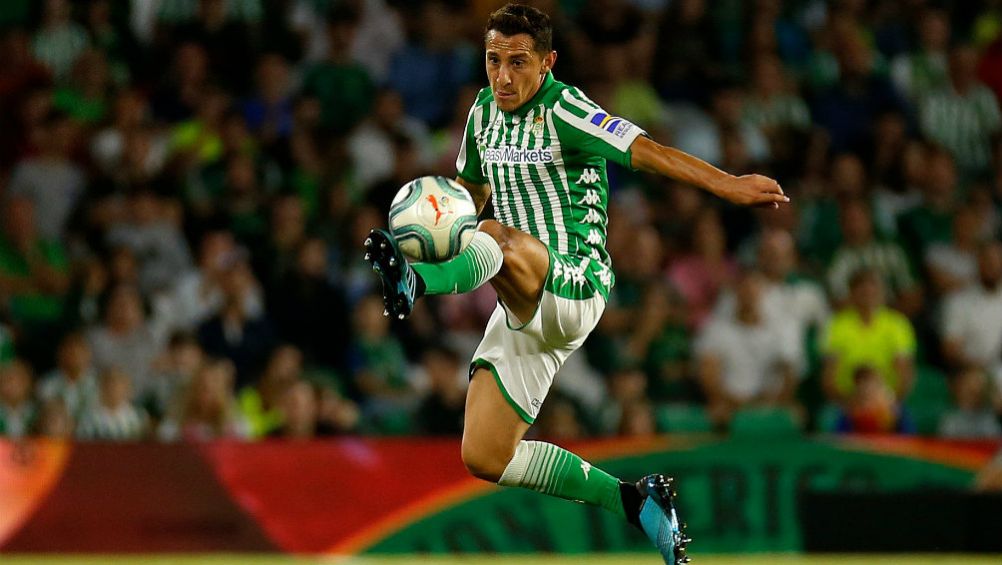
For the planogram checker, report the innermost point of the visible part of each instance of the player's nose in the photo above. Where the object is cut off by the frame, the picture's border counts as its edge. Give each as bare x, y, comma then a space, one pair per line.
504, 77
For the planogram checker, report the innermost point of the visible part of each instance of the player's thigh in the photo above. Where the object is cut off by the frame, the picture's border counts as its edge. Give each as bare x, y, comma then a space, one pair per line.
491, 428
520, 281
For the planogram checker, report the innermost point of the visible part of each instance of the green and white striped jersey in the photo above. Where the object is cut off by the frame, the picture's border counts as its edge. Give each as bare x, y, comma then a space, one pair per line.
545, 163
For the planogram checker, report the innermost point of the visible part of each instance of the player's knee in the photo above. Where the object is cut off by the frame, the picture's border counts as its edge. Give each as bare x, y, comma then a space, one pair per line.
483, 464
507, 239
502, 234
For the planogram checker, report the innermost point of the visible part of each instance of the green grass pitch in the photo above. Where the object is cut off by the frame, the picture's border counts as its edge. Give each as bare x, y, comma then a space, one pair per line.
637, 559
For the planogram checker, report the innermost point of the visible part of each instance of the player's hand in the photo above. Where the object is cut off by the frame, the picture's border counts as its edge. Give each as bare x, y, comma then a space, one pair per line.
750, 190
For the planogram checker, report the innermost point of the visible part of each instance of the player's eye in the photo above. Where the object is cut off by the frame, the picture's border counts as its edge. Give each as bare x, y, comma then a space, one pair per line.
517, 63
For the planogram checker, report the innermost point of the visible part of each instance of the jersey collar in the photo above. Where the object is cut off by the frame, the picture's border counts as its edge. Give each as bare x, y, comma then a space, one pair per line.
534, 101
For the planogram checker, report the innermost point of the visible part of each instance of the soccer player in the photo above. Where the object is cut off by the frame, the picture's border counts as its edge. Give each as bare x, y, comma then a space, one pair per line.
540, 147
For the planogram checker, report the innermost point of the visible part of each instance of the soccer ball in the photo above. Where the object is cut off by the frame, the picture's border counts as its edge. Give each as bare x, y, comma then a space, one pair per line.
433, 219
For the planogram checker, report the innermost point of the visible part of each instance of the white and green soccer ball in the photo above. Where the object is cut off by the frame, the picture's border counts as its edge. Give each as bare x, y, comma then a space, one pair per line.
433, 219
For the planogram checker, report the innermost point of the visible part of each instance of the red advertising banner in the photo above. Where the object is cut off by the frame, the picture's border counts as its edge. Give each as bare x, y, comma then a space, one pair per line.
355, 495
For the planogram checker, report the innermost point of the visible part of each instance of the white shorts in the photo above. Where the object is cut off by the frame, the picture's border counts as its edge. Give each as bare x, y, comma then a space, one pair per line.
525, 358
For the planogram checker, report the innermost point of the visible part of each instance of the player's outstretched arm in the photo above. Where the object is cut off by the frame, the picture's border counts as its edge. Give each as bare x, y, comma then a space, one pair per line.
746, 190
479, 192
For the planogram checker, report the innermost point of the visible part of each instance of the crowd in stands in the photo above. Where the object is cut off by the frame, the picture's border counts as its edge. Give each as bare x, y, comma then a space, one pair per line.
185, 186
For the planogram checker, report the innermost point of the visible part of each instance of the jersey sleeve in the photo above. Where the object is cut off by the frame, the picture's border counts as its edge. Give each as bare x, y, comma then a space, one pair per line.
585, 126
468, 165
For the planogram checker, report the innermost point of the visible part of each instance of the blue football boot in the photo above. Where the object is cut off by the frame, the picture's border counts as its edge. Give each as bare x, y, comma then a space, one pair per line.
399, 280
659, 520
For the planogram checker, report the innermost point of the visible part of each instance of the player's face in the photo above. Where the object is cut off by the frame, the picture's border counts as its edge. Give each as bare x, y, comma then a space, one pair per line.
515, 69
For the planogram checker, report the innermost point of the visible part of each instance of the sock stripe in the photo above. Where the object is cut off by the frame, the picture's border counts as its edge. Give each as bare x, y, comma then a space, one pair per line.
549, 454
551, 470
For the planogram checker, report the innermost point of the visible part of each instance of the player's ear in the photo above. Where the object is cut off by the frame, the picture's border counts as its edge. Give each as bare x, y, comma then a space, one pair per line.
548, 61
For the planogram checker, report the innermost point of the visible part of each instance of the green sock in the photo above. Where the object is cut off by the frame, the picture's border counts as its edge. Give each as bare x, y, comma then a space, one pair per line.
548, 469
469, 270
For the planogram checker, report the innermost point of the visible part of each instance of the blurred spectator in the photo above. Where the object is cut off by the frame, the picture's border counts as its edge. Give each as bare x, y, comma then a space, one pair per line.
116, 41
964, 115
308, 170
713, 137
372, 146
821, 233
198, 141
208, 410
306, 304
198, 293
226, 40
74, 381
973, 416
113, 417
287, 232
441, 411
178, 95
172, 373
932, 220
972, 316
629, 92
20, 70
627, 388
637, 419
154, 239
234, 333
701, 274
127, 340
268, 110
336, 413
379, 36
953, 265
343, 87
772, 103
866, 333
848, 108
746, 359
862, 250
50, 179
924, 69
787, 296
55, 421
59, 40
17, 409
684, 65
299, 413
899, 191
108, 146
433, 66
645, 321
261, 403
377, 362
229, 195
33, 269
85, 98
559, 420
872, 407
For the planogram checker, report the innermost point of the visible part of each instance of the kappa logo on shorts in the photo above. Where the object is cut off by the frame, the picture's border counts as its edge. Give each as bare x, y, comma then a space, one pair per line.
536, 403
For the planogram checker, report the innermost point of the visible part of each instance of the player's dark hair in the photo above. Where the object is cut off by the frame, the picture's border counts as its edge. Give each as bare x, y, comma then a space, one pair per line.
514, 19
